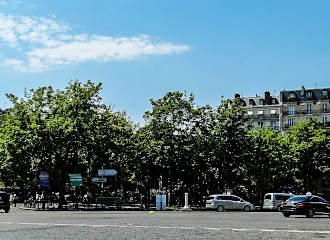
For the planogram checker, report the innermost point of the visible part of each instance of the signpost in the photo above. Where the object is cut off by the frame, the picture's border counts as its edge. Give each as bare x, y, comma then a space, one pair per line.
107, 172
99, 180
76, 180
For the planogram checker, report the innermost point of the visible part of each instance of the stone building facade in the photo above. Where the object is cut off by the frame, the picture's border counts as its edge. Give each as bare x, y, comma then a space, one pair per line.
283, 111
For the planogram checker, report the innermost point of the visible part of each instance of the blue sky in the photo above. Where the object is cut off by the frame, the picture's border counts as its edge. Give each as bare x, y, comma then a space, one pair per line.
141, 49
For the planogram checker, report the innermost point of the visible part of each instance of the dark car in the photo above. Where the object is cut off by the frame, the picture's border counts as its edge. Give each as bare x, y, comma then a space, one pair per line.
4, 201
308, 205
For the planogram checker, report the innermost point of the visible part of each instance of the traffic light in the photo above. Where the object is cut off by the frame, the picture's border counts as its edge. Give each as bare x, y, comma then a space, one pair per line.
28, 178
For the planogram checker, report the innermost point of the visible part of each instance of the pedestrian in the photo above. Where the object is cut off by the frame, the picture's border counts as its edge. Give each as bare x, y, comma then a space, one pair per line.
11, 198
15, 199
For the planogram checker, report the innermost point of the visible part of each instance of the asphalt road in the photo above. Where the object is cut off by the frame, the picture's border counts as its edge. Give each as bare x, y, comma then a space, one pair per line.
27, 224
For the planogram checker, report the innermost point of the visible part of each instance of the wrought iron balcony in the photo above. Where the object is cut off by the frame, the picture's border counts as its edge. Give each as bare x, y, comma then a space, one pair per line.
307, 112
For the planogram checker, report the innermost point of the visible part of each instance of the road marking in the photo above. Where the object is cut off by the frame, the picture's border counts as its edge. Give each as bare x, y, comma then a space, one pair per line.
167, 227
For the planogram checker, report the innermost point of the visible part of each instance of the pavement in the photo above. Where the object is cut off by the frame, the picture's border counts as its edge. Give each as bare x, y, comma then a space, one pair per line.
21, 224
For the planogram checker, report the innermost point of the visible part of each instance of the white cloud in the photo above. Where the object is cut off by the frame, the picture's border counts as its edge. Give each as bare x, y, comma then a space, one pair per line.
3, 3
47, 44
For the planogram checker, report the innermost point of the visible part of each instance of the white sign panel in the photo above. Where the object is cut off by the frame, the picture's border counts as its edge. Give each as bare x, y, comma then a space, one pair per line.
107, 172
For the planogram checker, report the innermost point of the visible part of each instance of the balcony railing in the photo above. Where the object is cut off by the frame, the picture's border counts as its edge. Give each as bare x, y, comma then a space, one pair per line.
263, 116
306, 112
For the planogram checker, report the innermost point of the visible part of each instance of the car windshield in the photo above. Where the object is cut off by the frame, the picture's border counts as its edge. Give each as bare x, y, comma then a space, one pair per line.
297, 199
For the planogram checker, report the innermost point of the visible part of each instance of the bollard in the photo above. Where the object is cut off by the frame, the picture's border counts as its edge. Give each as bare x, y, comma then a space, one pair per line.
186, 204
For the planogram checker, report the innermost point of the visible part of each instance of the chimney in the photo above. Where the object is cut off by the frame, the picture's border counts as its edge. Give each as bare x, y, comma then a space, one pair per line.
302, 91
237, 95
268, 99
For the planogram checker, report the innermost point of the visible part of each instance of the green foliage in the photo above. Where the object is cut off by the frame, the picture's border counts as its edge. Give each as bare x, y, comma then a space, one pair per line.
61, 131
309, 149
182, 147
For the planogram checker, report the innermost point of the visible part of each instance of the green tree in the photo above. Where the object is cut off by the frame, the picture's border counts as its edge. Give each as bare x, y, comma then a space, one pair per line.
170, 124
229, 144
309, 149
268, 168
62, 131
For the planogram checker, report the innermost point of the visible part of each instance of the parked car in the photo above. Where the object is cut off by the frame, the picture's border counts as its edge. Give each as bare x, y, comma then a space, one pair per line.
221, 202
272, 201
308, 205
4, 201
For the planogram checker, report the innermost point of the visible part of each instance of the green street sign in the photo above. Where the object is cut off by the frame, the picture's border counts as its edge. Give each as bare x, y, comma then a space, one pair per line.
78, 175
77, 183
76, 180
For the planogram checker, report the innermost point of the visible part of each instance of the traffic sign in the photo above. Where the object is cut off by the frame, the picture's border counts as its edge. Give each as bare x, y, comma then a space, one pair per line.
107, 172
43, 179
99, 180
77, 183
75, 176
76, 179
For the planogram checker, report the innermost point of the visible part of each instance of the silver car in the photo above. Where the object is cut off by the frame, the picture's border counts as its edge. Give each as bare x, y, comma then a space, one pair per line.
222, 202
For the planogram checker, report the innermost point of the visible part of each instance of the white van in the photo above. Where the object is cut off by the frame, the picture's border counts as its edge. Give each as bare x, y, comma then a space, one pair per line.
272, 201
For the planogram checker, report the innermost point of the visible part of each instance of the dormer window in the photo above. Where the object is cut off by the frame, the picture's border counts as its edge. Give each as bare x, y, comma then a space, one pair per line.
292, 97
251, 102
261, 101
309, 95
324, 94
242, 102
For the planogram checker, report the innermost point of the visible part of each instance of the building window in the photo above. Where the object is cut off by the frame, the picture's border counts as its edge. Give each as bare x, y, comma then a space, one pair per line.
250, 113
242, 102
273, 101
324, 107
291, 122
324, 119
260, 124
309, 95
273, 125
251, 102
292, 97
309, 109
324, 94
292, 110
261, 102
260, 112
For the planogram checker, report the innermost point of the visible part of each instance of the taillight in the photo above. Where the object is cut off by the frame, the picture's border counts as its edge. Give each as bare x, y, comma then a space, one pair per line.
281, 203
300, 204
213, 201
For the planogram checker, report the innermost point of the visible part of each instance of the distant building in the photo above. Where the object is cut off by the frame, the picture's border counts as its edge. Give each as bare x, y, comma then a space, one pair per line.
282, 112
301, 105
262, 111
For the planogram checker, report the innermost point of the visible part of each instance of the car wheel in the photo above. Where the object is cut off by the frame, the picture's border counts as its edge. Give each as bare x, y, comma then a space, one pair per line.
7, 210
310, 213
246, 209
220, 208
286, 214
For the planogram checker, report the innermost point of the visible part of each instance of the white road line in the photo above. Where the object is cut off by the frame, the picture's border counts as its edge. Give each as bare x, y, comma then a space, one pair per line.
168, 227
